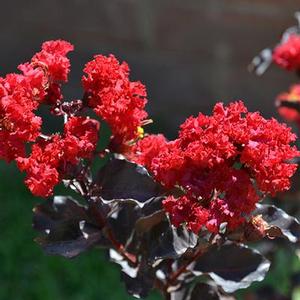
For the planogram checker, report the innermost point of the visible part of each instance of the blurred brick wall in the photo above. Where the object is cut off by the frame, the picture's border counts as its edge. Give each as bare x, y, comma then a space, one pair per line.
189, 53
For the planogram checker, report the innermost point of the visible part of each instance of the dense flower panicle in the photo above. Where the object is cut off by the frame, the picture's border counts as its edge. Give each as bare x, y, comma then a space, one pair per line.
41, 166
48, 161
19, 96
224, 194
287, 103
82, 135
219, 166
117, 100
57, 47
41, 179
10, 146
17, 107
53, 56
217, 160
236, 197
287, 54
54, 65
167, 165
36, 79
185, 210
146, 149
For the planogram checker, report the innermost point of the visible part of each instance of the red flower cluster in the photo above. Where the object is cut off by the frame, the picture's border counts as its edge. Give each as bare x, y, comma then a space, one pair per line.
53, 55
117, 100
21, 94
147, 148
216, 163
288, 102
287, 54
49, 159
53, 61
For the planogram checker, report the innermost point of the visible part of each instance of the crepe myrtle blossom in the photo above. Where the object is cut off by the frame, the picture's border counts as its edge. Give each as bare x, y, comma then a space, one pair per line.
22, 93
223, 164
209, 179
288, 104
220, 165
49, 159
53, 60
115, 99
287, 53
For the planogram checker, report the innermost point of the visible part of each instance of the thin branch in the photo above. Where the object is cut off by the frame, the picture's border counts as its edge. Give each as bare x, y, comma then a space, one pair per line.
173, 277
119, 247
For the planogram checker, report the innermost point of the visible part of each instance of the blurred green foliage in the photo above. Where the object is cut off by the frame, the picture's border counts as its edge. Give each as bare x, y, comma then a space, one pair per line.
27, 274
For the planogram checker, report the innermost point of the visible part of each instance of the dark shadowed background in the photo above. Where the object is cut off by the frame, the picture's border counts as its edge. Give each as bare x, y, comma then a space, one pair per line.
189, 54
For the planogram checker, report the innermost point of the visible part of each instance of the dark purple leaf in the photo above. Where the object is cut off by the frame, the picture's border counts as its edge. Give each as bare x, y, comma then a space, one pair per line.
139, 280
120, 179
70, 248
204, 291
56, 213
67, 227
232, 266
261, 62
140, 285
181, 294
168, 242
128, 218
200, 291
281, 224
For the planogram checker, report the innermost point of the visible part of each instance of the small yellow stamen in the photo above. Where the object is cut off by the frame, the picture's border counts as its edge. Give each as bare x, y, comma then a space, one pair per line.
140, 132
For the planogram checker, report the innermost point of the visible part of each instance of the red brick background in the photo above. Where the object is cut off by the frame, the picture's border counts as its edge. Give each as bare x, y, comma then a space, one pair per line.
189, 53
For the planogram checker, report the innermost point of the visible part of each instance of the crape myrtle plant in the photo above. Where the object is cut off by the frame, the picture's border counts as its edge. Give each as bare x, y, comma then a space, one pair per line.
177, 216
286, 55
